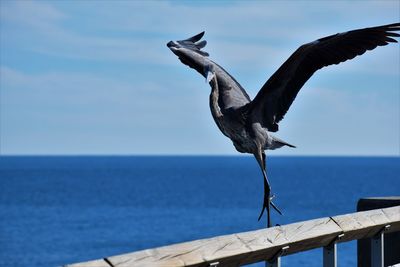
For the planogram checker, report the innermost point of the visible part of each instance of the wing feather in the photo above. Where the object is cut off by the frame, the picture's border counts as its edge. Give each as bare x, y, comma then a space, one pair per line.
278, 93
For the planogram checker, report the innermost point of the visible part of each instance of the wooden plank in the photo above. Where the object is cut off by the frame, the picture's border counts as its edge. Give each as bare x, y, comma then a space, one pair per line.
265, 242
194, 253
95, 263
393, 214
311, 234
260, 245
237, 249
361, 224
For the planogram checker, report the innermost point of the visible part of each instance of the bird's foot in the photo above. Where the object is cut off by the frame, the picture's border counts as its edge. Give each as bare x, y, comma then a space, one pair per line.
274, 206
266, 206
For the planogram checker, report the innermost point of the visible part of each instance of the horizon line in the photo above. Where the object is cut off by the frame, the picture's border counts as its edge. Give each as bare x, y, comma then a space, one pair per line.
196, 155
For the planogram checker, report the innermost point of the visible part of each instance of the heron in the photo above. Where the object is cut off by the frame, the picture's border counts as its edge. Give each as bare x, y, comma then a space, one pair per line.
250, 123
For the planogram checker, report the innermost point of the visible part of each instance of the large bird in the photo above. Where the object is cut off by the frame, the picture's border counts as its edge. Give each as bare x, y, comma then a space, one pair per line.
249, 123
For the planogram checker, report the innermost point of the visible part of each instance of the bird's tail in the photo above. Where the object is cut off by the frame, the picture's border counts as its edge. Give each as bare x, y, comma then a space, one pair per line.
277, 143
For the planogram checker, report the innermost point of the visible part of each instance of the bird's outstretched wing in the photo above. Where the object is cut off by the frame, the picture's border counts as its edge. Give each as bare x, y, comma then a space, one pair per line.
277, 94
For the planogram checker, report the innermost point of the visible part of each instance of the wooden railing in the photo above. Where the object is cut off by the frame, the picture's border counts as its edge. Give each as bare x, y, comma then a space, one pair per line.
268, 244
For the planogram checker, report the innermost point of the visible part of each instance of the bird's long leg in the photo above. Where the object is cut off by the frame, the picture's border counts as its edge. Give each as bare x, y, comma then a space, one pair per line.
267, 200
267, 191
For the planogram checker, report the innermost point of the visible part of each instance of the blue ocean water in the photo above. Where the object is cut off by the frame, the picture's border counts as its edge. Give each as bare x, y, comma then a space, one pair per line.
59, 210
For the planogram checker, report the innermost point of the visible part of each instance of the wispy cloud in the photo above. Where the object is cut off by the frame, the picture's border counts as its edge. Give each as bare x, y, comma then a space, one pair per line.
42, 26
85, 113
35, 14
246, 31
331, 120
102, 72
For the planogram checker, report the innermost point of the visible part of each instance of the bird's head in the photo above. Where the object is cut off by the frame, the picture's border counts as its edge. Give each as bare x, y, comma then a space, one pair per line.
189, 49
173, 46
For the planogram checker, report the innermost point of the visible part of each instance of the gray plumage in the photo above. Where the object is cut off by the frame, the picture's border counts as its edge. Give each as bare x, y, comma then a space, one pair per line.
249, 123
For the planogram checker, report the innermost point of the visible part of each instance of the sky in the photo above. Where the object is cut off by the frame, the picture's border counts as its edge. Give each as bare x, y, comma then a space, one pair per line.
96, 77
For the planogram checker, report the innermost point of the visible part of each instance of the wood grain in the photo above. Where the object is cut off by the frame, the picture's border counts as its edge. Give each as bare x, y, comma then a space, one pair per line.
236, 249
260, 245
95, 263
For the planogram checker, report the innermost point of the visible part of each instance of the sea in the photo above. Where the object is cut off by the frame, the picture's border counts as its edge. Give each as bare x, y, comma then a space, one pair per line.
57, 210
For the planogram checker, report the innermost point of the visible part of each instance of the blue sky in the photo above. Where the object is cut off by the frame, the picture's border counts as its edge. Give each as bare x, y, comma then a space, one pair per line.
86, 77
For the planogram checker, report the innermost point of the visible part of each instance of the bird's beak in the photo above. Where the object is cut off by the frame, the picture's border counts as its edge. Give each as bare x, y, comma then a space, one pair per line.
173, 46
170, 44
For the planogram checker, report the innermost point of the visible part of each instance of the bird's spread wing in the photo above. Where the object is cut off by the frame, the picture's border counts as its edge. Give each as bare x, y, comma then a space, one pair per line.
190, 53
277, 94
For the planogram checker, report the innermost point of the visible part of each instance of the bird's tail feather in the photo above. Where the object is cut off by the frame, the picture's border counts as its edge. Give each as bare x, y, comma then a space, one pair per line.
277, 143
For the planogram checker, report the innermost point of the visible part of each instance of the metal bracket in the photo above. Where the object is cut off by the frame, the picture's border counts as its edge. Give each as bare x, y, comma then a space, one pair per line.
276, 259
330, 252
386, 228
331, 245
337, 239
280, 253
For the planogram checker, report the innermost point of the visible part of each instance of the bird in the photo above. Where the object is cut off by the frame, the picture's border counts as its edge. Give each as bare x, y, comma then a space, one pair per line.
250, 123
